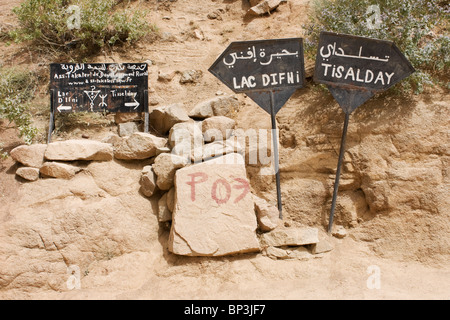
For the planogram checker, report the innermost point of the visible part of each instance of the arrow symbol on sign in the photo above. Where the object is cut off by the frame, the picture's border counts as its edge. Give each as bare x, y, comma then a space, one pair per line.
134, 104
62, 108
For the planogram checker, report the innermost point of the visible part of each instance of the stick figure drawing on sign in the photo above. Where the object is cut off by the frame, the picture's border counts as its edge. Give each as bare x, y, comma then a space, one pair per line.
103, 103
92, 96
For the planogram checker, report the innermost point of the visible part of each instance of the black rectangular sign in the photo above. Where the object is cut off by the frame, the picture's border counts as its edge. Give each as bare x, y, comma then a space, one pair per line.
99, 87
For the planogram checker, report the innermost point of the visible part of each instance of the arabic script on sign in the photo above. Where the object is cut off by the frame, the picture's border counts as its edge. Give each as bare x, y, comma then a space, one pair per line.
251, 55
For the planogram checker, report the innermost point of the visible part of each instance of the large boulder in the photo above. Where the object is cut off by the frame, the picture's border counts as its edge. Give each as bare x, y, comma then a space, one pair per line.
164, 118
214, 211
30, 156
186, 132
138, 146
217, 128
73, 150
165, 166
218, 106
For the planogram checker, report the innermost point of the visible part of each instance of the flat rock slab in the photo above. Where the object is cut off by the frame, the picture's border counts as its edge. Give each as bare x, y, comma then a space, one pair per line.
214, 211
73, 150
290, 237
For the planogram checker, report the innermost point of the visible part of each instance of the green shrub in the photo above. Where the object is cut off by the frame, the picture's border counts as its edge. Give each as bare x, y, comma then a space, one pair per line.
418, 27
17, 88
95, 24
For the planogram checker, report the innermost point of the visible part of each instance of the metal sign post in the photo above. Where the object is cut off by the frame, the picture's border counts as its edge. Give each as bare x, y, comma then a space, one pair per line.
269, 72
94, 87
354, 69
276, 153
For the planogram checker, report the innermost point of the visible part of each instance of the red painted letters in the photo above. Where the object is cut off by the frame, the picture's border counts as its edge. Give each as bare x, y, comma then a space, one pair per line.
218, 187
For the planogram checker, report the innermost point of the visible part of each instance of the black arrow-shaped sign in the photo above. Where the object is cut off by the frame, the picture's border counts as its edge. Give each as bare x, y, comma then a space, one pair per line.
269, 72
257, 68
354, 69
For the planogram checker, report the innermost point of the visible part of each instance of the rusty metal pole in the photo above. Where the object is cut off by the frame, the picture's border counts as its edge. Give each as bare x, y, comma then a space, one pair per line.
275, 152
338, 171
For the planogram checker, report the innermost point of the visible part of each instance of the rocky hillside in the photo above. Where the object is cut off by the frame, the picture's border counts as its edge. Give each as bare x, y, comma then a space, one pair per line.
96, 214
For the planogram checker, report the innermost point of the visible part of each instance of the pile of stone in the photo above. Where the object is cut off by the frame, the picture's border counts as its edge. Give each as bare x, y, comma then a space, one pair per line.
54, 160
198, 172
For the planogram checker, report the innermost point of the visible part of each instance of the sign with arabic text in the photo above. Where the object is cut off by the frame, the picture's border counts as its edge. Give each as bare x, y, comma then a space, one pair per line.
355, 62
99, 87
263, 66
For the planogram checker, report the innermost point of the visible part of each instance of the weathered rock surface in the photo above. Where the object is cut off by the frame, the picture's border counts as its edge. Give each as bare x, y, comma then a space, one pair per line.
127, 117
218, 106
30, 156
164, 214
215, 150
322, 246
189, 133
165, 167
164, 118
267, 214
60, 223
73, 150
191, 76
166, 76
128, 128
290, 237
148, 181
264, 6
214, 211
297, 253
339, 232
171, 200
257, 145
59, 170
30, 174
138, 146
217, 128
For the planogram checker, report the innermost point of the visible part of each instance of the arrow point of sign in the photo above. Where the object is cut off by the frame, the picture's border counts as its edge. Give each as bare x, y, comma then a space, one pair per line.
350, 99
262, 98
